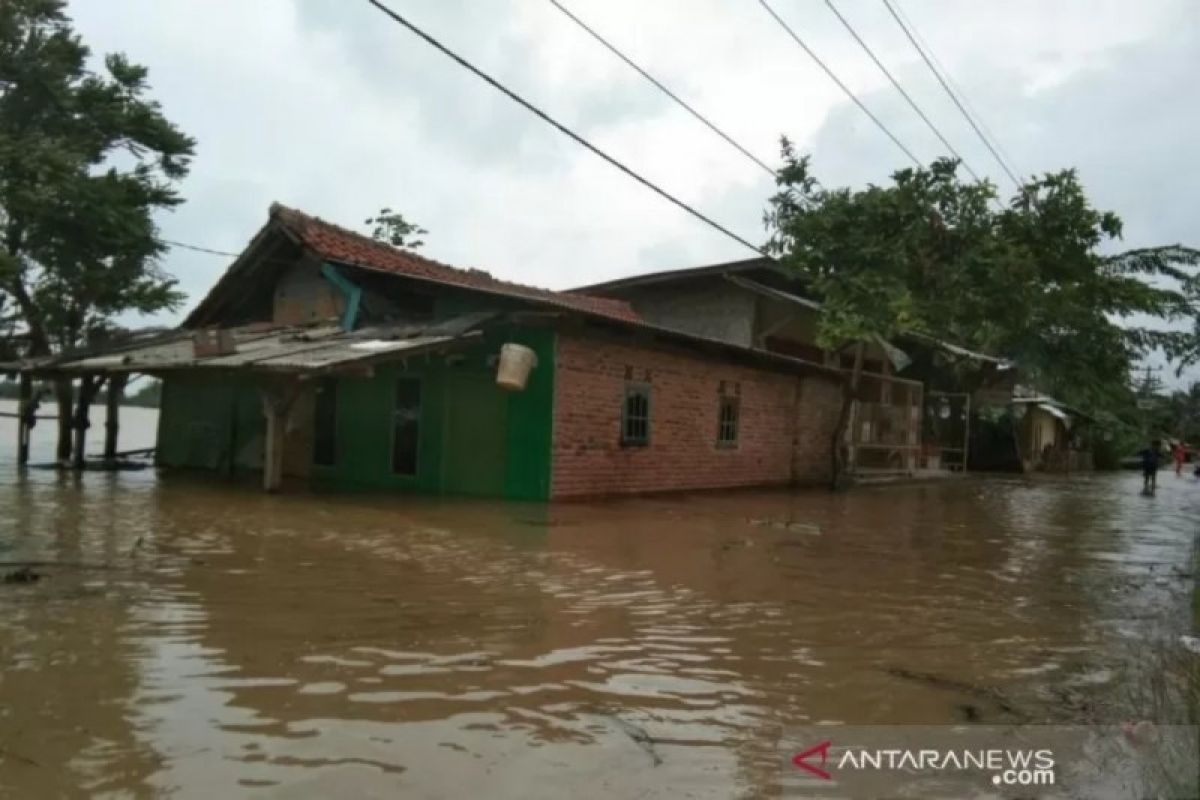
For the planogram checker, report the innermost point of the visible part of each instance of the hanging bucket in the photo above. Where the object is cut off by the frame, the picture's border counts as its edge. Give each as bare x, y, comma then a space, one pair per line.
516, 360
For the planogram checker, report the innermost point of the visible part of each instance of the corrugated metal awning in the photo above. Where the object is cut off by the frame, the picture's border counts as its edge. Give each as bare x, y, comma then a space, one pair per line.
259, 348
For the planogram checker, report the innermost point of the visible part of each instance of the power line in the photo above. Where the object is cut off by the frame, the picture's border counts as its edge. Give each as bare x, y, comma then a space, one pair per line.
838, 81
462, 62
197, 248
953, 97
704, 120
958, 90
899, 88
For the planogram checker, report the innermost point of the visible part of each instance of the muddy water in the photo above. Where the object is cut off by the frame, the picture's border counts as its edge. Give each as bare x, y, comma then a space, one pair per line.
204, 640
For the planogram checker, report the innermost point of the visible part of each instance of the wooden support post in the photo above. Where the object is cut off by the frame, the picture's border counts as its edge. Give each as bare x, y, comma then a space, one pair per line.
89, 387
277, 403
26, 413
64, 396
112, 422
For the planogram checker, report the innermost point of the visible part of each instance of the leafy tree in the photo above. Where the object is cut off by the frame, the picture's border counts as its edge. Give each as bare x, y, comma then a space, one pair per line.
86, 159
392, 228
1185, 350
931, 253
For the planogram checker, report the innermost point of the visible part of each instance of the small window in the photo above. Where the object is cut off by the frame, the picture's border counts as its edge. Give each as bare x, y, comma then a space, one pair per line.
727, 421
406, 426
325, 423
635, 416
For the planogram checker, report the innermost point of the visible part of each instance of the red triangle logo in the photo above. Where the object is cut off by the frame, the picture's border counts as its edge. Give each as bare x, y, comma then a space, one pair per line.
801, 760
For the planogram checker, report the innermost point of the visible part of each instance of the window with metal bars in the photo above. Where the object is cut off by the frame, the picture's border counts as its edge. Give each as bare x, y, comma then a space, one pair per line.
635, 416
727, 421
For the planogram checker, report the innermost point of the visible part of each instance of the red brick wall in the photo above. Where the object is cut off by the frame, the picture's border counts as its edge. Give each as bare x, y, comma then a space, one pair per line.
682, 453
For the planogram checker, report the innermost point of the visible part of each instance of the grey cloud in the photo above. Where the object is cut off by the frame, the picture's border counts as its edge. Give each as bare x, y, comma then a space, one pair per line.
331, 107
1126, 125
456, 108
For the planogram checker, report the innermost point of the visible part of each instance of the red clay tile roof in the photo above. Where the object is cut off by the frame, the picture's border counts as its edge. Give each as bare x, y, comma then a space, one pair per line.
335, 243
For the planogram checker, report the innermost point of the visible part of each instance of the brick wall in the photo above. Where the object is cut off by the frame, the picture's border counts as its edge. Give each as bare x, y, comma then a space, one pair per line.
775, 410
302, 295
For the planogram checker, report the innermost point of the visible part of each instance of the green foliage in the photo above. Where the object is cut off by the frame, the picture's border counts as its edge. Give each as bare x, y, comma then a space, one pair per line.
931, 253
86, 159
1184, 347
392, 228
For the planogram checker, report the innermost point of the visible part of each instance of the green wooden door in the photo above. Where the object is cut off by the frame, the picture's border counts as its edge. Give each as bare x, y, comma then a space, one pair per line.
476, 419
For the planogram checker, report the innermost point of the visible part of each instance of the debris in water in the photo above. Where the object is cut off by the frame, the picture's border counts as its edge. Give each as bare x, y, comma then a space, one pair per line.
937, 681
23, 575
809, 528
1191, 644
639, 737
5, 753
969, 712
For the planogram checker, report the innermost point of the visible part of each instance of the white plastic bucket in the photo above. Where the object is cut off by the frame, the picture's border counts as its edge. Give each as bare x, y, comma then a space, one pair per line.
516, 360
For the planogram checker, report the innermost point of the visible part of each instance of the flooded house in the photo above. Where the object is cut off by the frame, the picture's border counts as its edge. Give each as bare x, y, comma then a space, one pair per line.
324, 356
912, 407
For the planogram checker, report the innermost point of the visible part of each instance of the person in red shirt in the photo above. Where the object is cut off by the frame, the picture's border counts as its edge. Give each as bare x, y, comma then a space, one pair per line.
1180, 456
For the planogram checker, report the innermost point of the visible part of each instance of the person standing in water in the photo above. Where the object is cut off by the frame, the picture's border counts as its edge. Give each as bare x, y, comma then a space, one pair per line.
1180, 455
1150, 467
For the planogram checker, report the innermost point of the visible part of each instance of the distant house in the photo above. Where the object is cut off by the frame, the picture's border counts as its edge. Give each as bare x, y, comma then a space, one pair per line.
1050, 435
324, 356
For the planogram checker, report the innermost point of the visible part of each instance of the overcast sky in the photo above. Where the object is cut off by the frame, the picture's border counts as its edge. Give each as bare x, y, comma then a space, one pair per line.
328, 106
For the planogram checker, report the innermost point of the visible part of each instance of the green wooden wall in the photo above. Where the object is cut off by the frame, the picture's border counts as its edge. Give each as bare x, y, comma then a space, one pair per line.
474, 438
210, 422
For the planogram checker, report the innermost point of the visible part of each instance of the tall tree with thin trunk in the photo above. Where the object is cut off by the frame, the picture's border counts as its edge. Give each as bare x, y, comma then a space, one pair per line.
86, 160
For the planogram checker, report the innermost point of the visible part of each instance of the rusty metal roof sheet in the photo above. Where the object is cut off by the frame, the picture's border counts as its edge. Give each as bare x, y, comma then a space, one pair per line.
280, 349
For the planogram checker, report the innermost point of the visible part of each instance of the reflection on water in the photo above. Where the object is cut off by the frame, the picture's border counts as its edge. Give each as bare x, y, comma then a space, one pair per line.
210, 641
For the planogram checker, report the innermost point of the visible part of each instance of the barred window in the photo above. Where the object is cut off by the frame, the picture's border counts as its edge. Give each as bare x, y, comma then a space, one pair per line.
635, 416
727, 421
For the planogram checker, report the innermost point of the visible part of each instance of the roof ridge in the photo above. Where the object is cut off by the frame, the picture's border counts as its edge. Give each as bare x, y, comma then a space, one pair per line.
317, 233
281, 210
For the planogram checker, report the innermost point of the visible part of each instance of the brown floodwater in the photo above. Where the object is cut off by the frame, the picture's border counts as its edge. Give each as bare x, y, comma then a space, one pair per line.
199, 639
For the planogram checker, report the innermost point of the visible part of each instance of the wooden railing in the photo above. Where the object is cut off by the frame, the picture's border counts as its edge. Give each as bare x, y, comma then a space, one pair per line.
885, 424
